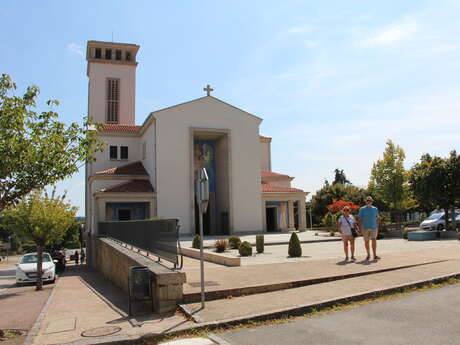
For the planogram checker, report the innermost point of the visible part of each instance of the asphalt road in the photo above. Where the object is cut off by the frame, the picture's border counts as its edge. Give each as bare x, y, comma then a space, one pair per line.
429, 317
19, 306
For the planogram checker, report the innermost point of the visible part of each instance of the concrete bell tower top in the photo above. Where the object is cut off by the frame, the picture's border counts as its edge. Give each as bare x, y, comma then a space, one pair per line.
111, 52
111, 71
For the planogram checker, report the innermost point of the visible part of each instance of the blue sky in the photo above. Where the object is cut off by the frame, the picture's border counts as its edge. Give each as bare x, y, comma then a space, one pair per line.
333, 80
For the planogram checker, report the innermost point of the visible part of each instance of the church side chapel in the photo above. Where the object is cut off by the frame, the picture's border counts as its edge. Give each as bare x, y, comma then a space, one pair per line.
149, 170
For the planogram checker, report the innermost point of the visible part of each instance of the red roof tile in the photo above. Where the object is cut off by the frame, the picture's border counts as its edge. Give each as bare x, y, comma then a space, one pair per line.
272, 188
120, 128
135, 168
265, 173
134, 186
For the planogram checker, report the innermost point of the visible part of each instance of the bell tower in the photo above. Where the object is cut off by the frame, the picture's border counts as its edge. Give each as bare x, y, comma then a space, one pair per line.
112, 82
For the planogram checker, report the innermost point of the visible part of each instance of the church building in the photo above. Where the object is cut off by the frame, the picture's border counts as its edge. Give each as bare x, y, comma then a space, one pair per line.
148, 170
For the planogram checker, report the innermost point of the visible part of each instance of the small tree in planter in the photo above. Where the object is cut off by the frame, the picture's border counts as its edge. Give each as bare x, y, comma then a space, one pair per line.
295, 249
196, 242
260, 244
221, 246
234, 242
245, 249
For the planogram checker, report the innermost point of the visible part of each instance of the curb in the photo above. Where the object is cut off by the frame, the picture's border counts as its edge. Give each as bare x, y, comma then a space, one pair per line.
36, 327
255, 289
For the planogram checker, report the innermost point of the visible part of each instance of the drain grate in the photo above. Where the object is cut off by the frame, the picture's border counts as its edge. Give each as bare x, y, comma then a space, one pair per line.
206, 283
100, 331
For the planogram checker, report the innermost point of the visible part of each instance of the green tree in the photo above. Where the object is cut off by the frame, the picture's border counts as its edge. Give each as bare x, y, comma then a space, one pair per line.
435, 182
388, 180
41, 218
35, 148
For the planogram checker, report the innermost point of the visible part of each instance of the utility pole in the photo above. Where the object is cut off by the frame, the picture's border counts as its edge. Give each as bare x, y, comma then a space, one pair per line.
202, 198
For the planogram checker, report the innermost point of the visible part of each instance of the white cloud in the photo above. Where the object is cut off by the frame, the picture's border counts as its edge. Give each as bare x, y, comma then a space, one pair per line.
300, 29
391, 34
75, 48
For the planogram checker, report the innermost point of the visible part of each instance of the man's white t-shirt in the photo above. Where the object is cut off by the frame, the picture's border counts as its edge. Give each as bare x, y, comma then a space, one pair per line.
345, 229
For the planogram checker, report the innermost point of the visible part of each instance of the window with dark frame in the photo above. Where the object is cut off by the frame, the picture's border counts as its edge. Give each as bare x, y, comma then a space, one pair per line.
118, 54
108, 54
128, 56
98, 53
113, 99
113, 152
123, 152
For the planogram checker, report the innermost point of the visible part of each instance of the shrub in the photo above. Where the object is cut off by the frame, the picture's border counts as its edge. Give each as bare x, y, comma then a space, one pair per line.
221, 246
260, 243
245, 249
196, 242
331, 233
234, 242
295, 250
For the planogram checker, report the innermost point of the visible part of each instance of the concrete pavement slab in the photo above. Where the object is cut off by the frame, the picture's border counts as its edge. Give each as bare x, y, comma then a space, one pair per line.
235, 281
61, 325
297, 298
190, 341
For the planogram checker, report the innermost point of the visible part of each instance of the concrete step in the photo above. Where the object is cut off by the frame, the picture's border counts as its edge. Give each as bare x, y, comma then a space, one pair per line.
224, 282
302, 299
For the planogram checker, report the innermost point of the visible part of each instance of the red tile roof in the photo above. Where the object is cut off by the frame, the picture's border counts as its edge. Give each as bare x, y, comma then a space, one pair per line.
135, 168
134, 186
265, 173
272, 188
111, 127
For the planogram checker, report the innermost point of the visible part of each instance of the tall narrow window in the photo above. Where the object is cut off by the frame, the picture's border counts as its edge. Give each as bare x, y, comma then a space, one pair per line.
123, 152
128, 56
113, 100
98, 53
113, 152
118, 54
108, 54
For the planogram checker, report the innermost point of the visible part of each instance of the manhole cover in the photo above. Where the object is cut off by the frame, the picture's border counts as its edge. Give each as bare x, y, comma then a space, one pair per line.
206, 283
100, 331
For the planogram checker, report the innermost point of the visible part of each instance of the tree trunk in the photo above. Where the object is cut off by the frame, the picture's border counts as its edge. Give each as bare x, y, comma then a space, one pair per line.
39, 268
446, 217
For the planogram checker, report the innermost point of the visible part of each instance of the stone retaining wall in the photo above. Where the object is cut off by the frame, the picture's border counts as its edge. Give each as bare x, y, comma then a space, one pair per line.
113, 261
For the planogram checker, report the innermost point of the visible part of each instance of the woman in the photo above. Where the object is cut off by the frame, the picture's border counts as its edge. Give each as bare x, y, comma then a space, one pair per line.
345, 225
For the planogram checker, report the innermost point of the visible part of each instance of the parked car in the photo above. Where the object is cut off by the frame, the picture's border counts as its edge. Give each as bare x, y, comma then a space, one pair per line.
26, 269
434, 222
59, 259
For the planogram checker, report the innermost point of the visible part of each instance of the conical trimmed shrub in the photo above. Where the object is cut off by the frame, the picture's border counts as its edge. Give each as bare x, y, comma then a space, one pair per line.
196, 242
295, 250
260, 243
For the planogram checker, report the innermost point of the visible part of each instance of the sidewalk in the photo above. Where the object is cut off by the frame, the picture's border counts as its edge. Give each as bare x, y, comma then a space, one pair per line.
82, 301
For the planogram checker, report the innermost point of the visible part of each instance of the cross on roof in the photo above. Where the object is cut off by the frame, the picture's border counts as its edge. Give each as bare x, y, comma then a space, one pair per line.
208, 90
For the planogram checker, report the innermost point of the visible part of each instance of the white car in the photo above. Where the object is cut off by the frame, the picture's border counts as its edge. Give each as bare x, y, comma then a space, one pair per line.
434, 222
26, 269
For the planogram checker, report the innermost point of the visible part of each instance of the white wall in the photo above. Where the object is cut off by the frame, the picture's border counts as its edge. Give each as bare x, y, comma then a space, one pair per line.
174, 190
102, 158
98, 74
265, 155
149, 162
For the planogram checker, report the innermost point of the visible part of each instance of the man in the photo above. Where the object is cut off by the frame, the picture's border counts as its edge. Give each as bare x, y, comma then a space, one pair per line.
369, 223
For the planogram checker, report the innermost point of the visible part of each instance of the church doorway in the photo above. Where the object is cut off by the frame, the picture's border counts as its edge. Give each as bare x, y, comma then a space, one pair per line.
272, 219
211, 151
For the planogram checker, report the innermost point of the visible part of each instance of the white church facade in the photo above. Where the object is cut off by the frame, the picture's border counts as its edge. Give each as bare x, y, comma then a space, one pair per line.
148, 170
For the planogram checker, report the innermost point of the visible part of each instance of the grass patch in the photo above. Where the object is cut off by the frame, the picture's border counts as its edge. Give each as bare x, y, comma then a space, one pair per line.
313, 312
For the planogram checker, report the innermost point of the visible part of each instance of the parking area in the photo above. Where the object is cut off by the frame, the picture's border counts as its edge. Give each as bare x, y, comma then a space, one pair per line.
19, 306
